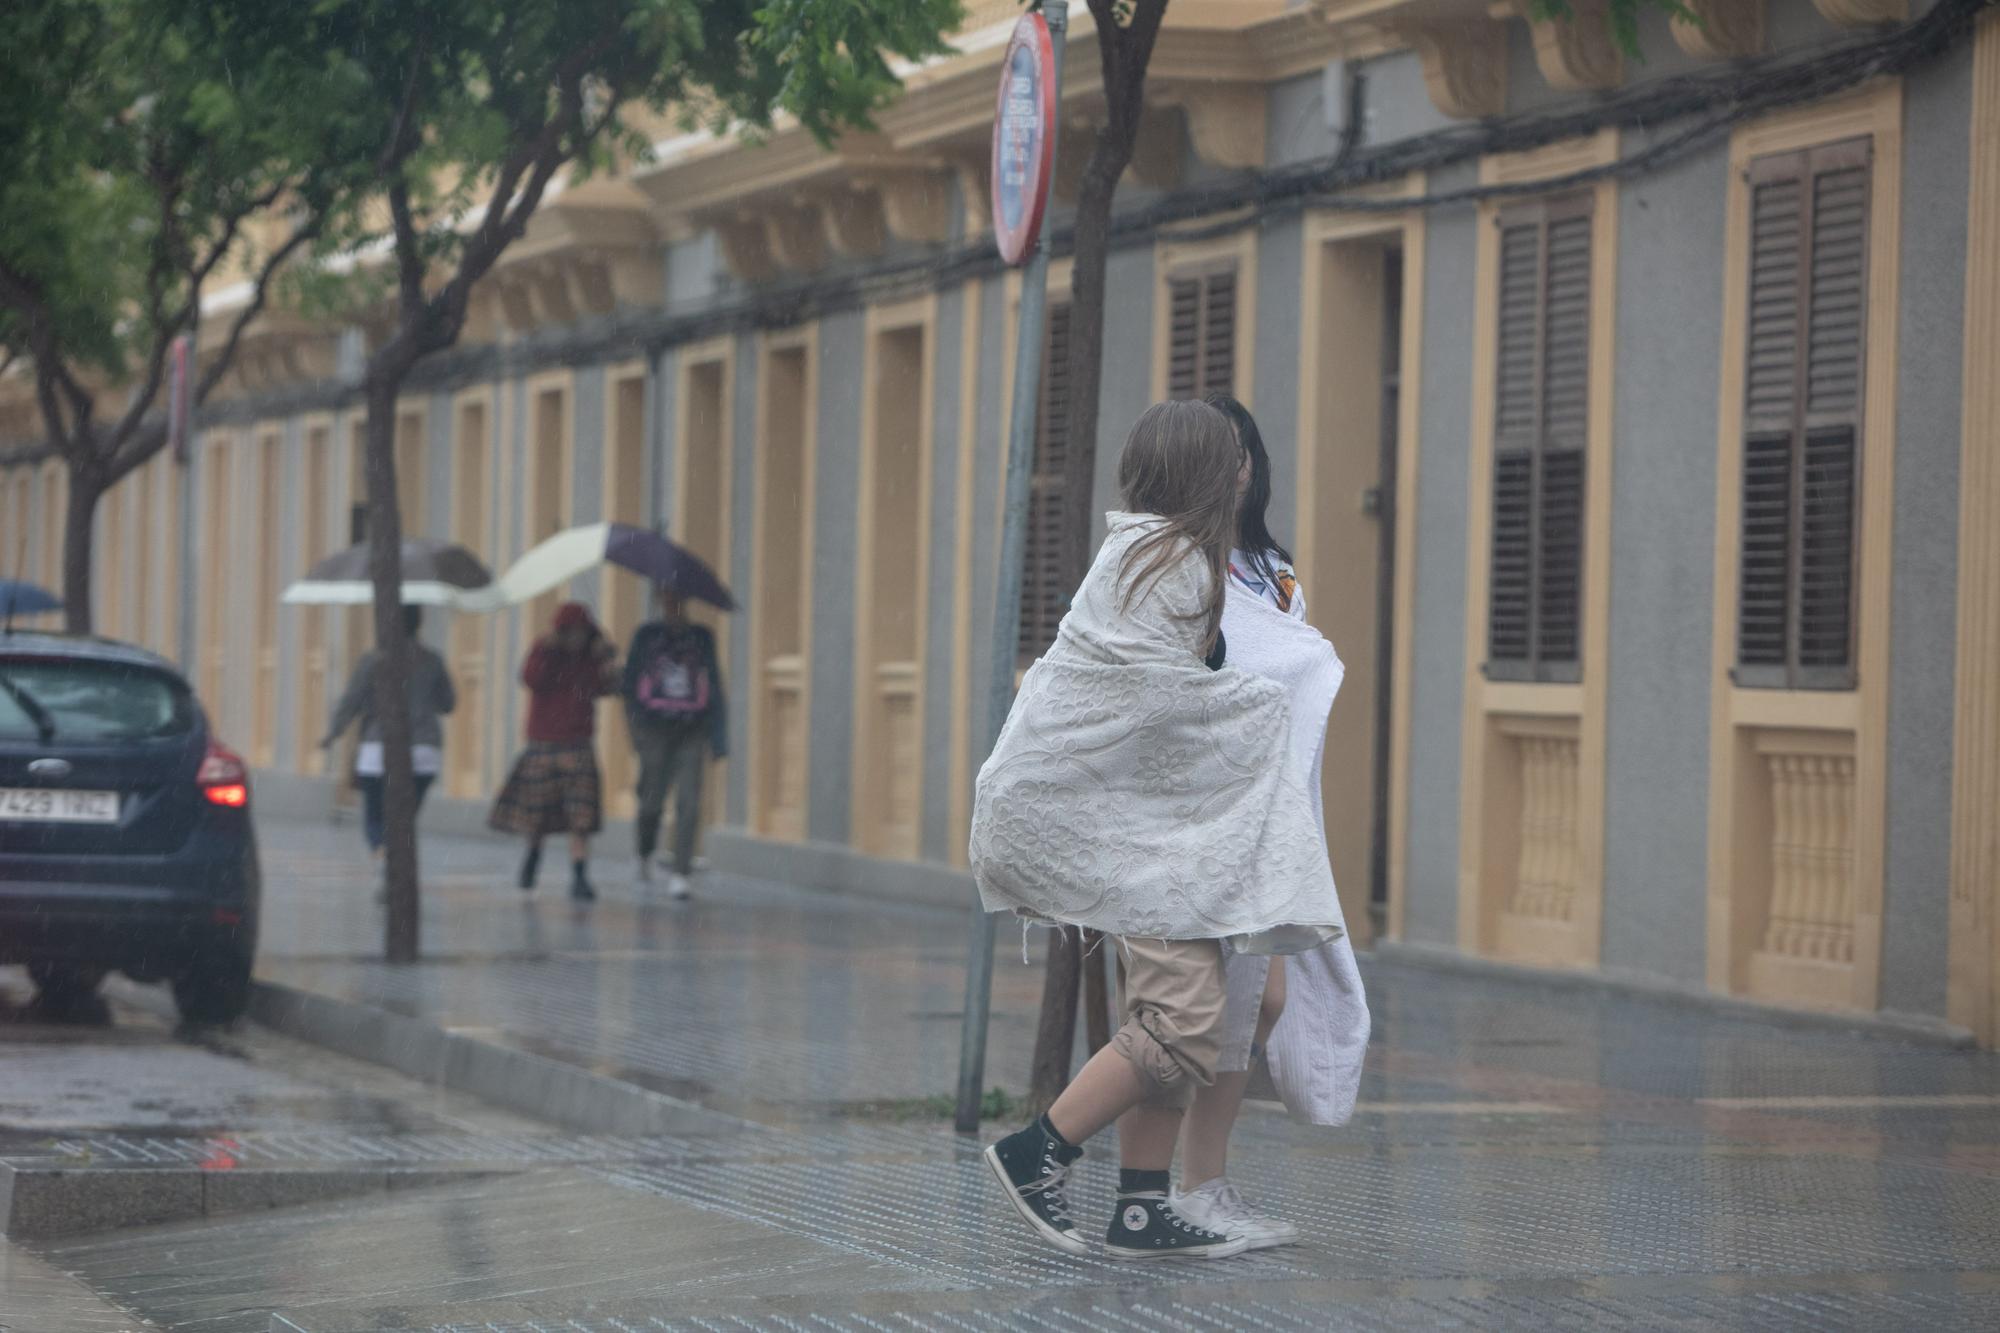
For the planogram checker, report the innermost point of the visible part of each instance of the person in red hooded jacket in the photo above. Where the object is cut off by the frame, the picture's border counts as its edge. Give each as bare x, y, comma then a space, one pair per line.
554, 785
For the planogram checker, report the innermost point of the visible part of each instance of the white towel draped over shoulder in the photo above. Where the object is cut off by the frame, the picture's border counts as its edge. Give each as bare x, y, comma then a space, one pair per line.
1315, 1052
1136, 792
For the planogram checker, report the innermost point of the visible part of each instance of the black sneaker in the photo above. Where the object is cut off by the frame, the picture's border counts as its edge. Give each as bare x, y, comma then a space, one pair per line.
1147, 1226
1034, 1168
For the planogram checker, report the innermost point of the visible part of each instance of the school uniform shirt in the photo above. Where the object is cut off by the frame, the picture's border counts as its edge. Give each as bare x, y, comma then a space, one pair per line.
1279, 587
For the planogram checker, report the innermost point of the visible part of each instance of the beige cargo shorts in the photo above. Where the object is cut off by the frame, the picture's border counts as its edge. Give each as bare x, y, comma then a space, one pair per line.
1172, 997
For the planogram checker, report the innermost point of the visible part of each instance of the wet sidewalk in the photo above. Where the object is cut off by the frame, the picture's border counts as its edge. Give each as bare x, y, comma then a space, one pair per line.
1524, 1157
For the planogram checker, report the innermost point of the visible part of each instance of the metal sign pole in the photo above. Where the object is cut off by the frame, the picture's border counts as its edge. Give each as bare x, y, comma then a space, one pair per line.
1007, 606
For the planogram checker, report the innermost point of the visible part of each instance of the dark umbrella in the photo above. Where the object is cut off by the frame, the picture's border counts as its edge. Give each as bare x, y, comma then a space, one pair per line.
434, 572
18, 597
666, 563
424, 561
641, 550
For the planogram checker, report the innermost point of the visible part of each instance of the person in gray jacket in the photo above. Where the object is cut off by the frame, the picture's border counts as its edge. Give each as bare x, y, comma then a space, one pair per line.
431, 697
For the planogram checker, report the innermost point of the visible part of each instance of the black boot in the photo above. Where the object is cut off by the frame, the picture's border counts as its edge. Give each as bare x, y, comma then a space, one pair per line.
1033, 1165
579, 883
531, 864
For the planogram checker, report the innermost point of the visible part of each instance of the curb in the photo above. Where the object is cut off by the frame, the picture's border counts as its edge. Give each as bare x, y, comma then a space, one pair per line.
1915, 1029
534, 1085
42, 1202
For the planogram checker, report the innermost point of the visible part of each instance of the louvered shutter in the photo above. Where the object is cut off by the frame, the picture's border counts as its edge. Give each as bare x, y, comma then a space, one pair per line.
1044, 594
1804, 354
1541, 430
1201, 334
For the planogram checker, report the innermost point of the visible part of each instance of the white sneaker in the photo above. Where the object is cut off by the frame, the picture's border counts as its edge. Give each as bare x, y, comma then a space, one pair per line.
645, 875
677, 887
1217, 1206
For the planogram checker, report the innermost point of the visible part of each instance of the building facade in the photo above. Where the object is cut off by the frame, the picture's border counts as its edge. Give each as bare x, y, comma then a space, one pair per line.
1634, 422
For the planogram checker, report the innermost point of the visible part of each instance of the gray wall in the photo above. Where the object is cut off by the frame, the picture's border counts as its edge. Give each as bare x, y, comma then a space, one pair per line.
989, 463
1127, 386
941, 576
742, 573
837, 479
1437, 682
1277, 348
1669, 323
1915, 909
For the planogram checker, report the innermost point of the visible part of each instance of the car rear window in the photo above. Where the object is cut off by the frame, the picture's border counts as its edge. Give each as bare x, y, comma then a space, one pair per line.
92, 701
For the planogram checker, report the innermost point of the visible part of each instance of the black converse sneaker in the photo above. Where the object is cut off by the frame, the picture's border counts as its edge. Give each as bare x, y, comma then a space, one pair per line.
1148, 1226
1034, 1168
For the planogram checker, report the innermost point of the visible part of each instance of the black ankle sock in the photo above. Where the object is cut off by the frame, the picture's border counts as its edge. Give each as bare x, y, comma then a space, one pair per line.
1048, 1127
1142, 1182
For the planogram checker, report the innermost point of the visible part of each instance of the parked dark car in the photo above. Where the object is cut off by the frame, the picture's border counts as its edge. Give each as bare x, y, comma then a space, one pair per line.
126, 840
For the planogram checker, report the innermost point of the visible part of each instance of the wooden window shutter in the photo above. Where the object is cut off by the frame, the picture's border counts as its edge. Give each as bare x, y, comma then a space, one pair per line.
1541, 430
1044, 594
1804, 352
1201, 334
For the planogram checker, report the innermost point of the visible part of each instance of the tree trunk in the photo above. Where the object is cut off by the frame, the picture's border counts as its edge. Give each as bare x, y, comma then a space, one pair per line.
1110, 154
1055, 1033
1098, 1020
392, 673
79, 529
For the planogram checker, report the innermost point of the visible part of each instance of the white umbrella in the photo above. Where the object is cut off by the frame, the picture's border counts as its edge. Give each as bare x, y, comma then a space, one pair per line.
360, 592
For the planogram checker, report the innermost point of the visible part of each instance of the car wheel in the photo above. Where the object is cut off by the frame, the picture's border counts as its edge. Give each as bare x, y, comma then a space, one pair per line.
215, 990
64, 981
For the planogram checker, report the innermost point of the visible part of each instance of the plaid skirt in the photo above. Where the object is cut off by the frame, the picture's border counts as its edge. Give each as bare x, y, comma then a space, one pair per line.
553, 789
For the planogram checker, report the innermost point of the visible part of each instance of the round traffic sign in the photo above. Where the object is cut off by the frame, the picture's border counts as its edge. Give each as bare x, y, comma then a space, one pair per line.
1024, 140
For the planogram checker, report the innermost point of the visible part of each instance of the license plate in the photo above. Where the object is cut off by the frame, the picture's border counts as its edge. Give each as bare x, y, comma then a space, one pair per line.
48, 805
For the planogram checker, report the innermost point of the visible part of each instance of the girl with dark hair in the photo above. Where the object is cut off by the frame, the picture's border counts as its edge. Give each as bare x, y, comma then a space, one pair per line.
1258, 564
1313, 1045
1140, 791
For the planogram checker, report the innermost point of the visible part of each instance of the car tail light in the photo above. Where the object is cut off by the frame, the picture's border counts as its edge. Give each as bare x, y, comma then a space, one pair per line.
223, 777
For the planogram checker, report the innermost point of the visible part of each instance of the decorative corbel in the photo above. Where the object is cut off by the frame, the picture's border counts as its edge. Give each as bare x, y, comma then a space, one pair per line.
852, 219
916, 202
1079, 133
745, 247
590, 282
796, 238
515, 307
1576, 52
1862, 13
1465, 66
1225, 120
1156, 153
482, 315
1722, 29
970, 170
554, 304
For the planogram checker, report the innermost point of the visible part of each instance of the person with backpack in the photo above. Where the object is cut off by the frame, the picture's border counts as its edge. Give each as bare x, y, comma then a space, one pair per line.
674, 708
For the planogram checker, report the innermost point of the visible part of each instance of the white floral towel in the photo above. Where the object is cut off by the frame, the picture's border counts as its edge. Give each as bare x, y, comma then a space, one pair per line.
1135, 792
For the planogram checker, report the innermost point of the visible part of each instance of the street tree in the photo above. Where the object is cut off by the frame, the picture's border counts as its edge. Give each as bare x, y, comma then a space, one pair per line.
473, 110
1125, 34
144, 150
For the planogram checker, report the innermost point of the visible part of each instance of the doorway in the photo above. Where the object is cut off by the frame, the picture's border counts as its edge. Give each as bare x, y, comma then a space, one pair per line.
1355, 432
